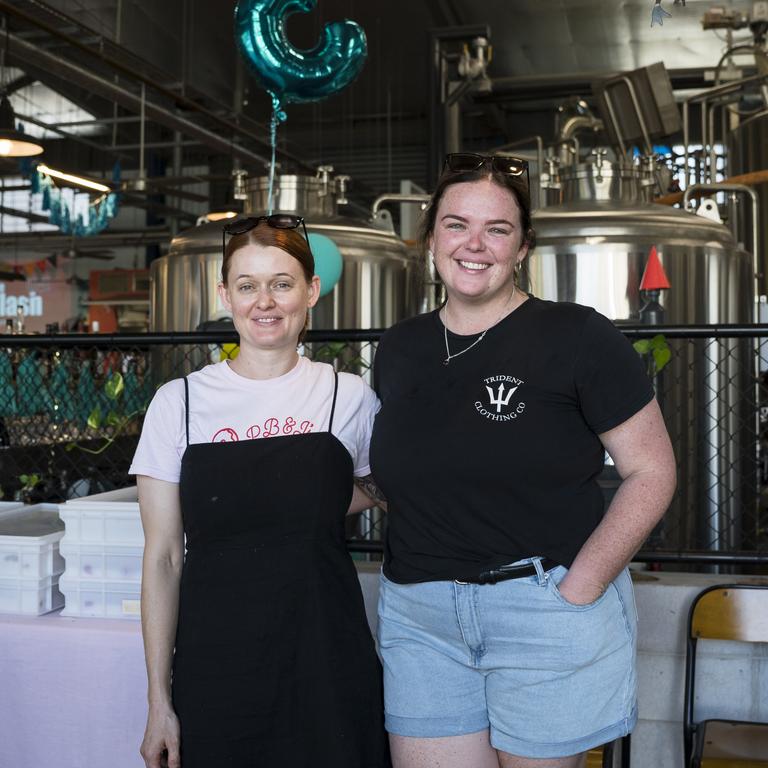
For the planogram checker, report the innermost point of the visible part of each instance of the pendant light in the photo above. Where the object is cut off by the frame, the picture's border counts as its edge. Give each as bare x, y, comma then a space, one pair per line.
13, 143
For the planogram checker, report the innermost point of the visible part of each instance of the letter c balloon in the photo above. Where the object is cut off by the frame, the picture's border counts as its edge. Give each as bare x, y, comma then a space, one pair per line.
289, 74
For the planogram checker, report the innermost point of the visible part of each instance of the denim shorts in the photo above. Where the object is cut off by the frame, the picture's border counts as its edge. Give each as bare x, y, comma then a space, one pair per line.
546, 677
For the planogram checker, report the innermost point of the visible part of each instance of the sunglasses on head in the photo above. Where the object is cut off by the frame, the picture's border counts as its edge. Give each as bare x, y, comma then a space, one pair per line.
466, 162
276, 220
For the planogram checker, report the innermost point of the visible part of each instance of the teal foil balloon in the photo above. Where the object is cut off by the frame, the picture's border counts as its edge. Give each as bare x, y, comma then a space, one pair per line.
289, 74
328, 261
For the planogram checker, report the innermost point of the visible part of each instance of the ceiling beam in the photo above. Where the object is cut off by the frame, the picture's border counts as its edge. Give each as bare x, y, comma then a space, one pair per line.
62, 68
36, 217
105, 87
55, 241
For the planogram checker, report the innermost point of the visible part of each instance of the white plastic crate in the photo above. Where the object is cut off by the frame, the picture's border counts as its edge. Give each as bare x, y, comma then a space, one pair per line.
30, 596
29, 543
105, 518
105, 562
101, 599
9, 506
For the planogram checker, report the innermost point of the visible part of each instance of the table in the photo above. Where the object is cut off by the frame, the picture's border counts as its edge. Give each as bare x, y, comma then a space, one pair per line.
73, 692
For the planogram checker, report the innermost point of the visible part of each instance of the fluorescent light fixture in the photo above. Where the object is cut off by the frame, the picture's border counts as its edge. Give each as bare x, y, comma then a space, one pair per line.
77, 180
14, 143
220, 215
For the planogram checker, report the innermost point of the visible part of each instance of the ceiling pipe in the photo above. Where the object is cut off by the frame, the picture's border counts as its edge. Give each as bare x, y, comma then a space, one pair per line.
179, 100
55, 241
65, 69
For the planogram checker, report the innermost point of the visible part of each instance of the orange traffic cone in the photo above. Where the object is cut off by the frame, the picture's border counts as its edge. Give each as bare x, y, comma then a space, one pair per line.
654, 277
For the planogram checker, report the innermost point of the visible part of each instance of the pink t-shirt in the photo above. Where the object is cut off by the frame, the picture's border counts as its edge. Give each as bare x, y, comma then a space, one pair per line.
224, 407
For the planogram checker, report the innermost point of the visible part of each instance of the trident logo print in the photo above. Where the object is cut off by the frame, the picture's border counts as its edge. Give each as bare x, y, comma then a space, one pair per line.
500, 399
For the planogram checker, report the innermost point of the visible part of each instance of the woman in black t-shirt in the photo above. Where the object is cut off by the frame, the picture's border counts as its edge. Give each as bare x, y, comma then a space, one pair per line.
506, 618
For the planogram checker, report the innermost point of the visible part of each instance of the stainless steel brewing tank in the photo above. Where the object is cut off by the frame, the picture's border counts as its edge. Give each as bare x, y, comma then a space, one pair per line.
748, 152
380, 281
594, 252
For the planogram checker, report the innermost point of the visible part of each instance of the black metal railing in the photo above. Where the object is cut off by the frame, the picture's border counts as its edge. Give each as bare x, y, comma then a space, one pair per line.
71, 409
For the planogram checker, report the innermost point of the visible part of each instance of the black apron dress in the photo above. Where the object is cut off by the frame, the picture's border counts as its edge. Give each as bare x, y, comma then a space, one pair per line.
274, 662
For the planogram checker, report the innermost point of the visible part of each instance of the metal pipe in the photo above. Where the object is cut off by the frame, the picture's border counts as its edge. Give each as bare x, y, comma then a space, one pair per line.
704, 97
686, 142
703, 176
691, 556
639, 113
142, 131
108, 150
130, 340
437, 86
55, 241
575, 150
539, 154
744, 190
719, 90
178, 99
40, 57
643, 556
397, 198
615, 123
576, 123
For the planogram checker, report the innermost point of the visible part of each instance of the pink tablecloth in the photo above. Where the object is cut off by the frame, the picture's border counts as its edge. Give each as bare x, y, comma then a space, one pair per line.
72, 692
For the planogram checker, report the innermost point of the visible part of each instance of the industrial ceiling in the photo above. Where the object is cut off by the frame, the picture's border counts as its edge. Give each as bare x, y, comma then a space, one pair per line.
177, 61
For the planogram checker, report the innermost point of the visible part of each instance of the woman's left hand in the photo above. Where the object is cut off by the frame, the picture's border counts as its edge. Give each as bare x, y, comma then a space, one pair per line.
580, 591
642, 453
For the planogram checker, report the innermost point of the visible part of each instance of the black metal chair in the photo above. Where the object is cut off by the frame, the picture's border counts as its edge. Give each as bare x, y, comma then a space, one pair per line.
724, 612
602, 757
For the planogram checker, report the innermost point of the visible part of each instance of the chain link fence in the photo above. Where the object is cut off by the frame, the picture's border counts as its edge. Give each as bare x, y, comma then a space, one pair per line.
71, 409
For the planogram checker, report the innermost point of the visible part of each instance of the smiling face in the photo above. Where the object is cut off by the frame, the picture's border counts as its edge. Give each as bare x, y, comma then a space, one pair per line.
477, 241
268, 295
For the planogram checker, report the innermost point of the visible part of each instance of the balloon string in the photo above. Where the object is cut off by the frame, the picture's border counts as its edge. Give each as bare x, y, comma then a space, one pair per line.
273, 139
278, 116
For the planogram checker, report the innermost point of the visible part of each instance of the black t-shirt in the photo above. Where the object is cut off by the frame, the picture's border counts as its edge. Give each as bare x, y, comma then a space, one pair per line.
495, 456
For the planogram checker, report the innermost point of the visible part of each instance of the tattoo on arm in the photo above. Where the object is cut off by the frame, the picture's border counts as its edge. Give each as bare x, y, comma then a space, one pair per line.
368, 486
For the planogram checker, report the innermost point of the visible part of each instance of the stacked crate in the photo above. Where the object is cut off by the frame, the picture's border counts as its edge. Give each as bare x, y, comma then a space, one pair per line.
103, 546
30, 560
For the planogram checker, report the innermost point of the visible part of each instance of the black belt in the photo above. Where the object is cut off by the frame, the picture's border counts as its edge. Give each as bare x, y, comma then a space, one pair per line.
504, 572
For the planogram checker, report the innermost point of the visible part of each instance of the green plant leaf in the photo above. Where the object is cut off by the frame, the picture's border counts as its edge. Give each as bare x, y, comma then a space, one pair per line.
114, 386
112, 419
28, 482
661, 357
94, 418
642, 346
658, 342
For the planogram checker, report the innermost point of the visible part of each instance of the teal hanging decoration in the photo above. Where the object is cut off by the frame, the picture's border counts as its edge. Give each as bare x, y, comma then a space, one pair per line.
100, 212
132, 391
86, 395
62, 401
33, 395
291, 75
7, 387
137, 395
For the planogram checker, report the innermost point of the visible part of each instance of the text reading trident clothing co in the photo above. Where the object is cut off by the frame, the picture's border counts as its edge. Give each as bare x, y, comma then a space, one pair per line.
500, 403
